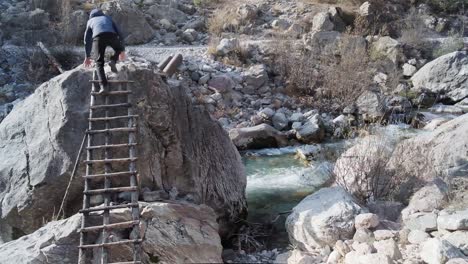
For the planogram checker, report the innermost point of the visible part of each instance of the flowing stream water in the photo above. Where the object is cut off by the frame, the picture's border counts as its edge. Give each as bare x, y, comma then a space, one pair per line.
277, 180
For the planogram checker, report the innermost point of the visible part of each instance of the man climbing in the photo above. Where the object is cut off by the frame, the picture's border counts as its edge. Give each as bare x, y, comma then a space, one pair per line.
101, 32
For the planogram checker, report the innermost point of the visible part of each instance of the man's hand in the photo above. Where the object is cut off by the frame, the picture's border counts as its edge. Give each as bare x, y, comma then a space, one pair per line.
122, 56
87, 62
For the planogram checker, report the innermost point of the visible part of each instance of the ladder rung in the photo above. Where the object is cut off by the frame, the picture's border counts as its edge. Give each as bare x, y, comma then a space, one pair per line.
108, 190
110, 160
112, 81
109, 244
124, 92
112, 174
121, 225
110, 207
112, 118
117, 129
112, 146
128, 262
110, 105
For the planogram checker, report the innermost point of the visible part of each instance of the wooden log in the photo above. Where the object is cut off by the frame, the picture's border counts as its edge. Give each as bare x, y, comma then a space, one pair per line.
50, 56
110, 160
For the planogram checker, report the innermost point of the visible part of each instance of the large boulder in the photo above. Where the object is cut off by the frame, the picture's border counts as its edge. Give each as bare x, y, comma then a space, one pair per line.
182, 149
322, 218
433, 196
173, 233
426, 156
132, 22
166, 12
257, 137
446, 76
371, 106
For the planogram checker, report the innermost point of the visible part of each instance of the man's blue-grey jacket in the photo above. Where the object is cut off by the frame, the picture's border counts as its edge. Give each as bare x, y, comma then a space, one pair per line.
98, 23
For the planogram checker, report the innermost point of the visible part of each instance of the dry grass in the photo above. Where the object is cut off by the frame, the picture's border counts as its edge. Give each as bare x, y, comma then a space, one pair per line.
238, 57
224, 19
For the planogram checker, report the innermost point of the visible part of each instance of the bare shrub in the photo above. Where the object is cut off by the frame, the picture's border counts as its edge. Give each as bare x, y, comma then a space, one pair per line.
224, 19
378, 22
414, 32
330, 82
363, 170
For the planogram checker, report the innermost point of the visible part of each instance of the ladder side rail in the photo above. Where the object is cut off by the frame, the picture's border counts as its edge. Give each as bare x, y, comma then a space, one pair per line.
107, 185
133, 178
83, 253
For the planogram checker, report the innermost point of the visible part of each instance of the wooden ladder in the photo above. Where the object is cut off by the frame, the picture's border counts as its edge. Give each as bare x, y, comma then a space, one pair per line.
100, 114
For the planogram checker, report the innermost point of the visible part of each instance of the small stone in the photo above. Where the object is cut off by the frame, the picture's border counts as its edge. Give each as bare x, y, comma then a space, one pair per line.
363, 235
363, 248
334, 257
455, 221
281, 24
342, 248
383, 234
367, 220
421, 221
266, 113
409, 70
296, 125
388, 247
204, 79
417, 236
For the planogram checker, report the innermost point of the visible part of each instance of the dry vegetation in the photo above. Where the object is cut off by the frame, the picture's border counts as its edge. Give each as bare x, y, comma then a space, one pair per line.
330, 82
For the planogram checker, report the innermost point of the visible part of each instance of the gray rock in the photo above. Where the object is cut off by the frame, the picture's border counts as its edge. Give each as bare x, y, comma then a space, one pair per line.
417, 236
389, 48
136, 29
322, 22
49, 126
266, 113
370, 105
165, 12
311, 131
457, 261
363, 235
254, 78
389, 248
57, 241
421, 221
436, 251
296, 117
386, 209
280, 121
412, 155
257, 137
455, 221
322, 219
448, 109
190, 35
221, 83
367, 221
409, 70
446, 75
459, 239
247, 12
281, 24
153, 196
226, 46
433, 196
384, 234
296, 125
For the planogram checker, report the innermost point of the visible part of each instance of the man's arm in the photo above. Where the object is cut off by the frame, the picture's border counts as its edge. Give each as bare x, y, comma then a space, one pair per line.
88, 40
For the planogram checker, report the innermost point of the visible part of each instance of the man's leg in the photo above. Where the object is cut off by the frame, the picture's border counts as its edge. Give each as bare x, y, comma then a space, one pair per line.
99, 47
117, 47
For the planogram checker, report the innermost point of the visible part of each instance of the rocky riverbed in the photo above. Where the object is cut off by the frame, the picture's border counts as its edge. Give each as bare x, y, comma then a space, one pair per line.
293, 132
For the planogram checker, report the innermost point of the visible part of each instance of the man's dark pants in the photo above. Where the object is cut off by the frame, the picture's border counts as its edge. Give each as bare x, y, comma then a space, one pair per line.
100, 43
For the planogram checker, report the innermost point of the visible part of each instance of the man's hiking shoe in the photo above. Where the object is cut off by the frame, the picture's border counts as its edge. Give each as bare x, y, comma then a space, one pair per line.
112, 66
103, 89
